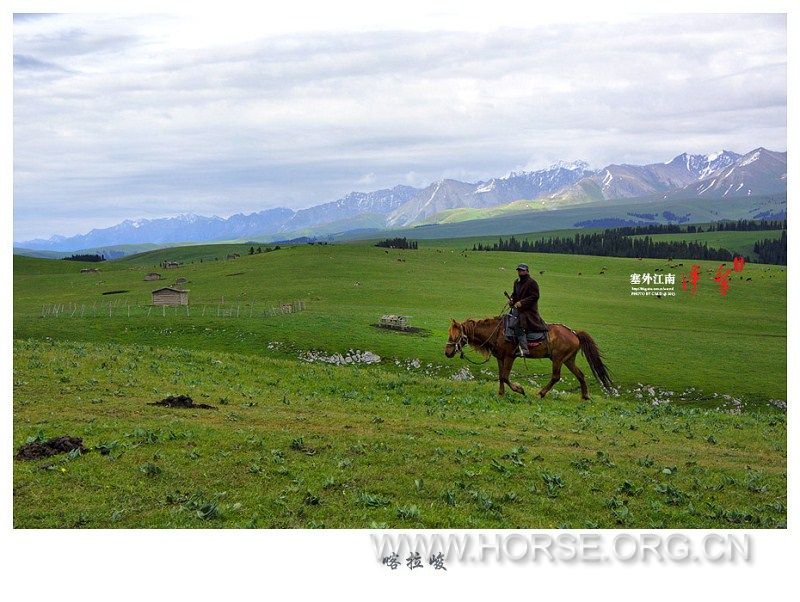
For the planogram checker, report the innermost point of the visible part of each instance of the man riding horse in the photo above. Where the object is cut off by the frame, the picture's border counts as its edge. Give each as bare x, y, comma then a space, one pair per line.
525, 306
488, 336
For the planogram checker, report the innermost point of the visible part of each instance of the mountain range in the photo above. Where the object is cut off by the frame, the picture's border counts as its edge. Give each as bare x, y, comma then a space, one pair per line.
720, 175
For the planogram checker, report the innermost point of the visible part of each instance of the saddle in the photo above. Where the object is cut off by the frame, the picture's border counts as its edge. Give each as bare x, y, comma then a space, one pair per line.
535, 338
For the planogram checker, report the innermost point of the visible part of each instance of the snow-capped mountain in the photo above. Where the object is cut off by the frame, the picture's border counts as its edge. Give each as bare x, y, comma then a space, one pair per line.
182, 228
452, 194
379, 202
719, 175
758, 172
629, 181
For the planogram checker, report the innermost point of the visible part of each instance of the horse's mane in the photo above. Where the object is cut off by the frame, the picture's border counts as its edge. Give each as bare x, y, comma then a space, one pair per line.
482, 326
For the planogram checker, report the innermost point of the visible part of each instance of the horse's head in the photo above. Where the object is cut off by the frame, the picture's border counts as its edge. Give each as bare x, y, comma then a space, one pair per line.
456, 338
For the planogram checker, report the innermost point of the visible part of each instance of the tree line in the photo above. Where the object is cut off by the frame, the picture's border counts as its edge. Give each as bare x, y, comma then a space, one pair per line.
611, 243
772, 250
620, 242
721, 226
85, 257
397, 243
255, 251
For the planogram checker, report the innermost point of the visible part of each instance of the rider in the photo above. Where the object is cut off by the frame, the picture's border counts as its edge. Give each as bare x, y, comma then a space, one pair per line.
525, 302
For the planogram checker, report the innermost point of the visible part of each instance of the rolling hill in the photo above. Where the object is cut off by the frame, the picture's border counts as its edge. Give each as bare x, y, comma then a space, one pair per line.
563, 187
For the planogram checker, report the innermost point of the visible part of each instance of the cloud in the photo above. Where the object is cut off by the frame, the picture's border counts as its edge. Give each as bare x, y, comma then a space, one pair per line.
130, 116
23, 62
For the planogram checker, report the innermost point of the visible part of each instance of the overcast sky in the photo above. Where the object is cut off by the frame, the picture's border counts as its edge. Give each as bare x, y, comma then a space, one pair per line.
120, 117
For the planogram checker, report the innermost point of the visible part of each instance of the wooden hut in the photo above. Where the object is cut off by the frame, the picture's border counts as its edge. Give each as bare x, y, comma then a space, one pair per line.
170, 296
233, 256
152, 276
181, 280
170, 265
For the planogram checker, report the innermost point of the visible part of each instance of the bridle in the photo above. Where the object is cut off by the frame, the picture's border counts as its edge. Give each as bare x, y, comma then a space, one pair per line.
458, 345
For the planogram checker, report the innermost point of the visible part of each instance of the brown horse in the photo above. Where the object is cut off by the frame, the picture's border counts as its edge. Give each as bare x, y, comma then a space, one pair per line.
562, 344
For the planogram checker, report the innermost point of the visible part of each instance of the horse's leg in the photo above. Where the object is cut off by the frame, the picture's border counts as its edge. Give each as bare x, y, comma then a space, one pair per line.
555, 376
577, 372
501, 376
509, 362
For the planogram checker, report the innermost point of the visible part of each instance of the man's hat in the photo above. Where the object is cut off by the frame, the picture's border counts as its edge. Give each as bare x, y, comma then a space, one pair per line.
523, 266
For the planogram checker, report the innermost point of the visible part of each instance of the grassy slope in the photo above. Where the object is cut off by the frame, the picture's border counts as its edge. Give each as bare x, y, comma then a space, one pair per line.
739, 242
377, 431
518, 207
695, 210
305, 446
127, 249
347, 287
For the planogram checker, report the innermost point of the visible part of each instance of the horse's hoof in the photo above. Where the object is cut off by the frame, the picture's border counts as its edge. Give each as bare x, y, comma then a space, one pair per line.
542, 394
586, 398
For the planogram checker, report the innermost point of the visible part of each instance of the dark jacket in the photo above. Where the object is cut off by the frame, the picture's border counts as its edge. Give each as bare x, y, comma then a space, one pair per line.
526, 291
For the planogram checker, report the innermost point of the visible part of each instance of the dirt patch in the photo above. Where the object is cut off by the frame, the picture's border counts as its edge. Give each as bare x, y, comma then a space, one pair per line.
410, 330
37, 450
181, 401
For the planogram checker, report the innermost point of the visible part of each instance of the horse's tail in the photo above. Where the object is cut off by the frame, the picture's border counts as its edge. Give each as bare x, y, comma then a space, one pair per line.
592, 354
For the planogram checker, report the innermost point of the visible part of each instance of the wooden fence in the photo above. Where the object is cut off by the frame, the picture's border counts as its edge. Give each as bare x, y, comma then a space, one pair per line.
121, 309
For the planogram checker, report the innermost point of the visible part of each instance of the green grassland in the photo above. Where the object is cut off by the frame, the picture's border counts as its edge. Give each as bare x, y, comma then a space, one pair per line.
733, 240
518, 208
348, 287
472, 213
306, 446
736, 241
533, 219
296, 443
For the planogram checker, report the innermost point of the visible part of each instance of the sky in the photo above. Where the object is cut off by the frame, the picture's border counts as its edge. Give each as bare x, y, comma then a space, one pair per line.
142, 116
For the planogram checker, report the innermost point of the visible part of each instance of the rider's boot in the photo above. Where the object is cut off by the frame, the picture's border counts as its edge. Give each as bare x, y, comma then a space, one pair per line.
522, 349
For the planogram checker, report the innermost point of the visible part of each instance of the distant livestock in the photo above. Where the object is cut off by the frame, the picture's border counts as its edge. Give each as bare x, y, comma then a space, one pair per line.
90, 271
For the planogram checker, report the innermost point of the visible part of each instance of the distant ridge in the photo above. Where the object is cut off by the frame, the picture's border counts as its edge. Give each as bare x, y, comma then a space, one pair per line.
720, 175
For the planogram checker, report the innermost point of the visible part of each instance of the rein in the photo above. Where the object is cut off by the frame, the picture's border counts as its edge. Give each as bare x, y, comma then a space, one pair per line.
463, 340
